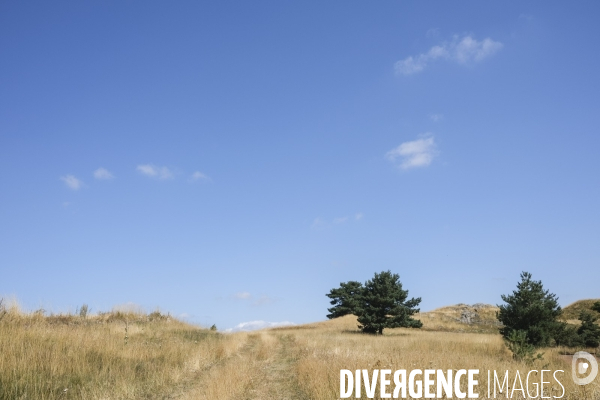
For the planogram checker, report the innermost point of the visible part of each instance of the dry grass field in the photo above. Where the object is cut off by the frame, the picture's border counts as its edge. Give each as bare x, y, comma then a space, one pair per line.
132, 355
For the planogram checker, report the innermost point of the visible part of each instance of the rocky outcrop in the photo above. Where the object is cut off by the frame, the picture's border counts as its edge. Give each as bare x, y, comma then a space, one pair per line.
472, 314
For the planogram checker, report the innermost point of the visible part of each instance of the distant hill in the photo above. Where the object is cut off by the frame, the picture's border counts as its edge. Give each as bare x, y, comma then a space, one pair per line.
476, 318
461, 318
571, 312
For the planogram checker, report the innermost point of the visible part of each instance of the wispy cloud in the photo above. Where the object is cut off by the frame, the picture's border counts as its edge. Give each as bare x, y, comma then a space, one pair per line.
262, 300
413, 154
72, 182
199, 176
253, 300
340, 220
433, 32
319, 223
462, 50
153, 171
436, 117
103, 174
255, 325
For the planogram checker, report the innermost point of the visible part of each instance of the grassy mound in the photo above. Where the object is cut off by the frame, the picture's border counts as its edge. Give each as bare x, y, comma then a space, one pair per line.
571, 312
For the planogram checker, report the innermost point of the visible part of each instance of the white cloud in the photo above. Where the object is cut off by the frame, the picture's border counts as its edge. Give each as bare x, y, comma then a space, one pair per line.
358, 216
155, 172
417, 153
199, 176
242, 295
463, 50
254, 325
103, 173
436, 117
72, 182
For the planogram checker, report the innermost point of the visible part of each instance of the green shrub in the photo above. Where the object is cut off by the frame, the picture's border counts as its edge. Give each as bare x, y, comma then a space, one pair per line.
589, 332
522, 350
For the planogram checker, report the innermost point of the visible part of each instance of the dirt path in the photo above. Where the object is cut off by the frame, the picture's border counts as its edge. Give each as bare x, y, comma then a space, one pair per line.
263, 369
276, 378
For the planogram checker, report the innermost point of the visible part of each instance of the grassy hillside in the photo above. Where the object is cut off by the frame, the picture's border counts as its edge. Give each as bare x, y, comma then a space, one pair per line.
478, 318
571, 312
106, 356
133, 355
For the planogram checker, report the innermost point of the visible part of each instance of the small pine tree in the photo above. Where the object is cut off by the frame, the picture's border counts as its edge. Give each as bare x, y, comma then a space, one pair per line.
383, 304
531, 309
345, 299
589, 332
213, 327
596, 306
521, 349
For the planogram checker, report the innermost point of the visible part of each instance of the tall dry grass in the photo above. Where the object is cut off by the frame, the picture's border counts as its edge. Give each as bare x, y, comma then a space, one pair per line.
116, 355
326, 348
130, 355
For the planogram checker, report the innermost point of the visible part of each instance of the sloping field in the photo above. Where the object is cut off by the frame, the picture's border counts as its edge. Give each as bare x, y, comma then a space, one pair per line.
327, 347
136, 356
572, 311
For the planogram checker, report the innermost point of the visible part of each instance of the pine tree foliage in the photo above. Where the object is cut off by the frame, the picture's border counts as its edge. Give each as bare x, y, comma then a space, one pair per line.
384, 305
345, 299
531, 309
380, 303
588, 331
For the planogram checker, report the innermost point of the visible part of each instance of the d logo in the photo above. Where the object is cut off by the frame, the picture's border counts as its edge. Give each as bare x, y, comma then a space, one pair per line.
584, 367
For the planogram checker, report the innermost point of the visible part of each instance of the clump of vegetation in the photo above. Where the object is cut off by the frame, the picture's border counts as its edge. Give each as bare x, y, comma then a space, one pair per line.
589, 331
83, 311
521, 349
381, 303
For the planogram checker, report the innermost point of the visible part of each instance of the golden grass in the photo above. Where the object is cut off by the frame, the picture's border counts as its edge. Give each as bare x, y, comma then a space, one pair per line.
168, 359
328, 347
66, 356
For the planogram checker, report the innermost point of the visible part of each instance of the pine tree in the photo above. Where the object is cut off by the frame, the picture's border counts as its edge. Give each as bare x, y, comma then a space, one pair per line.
531, 309
588, 331
596, 306
384, 305
345, 299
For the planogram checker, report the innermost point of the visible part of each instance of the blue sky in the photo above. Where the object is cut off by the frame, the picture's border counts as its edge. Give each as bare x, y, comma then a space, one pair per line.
234, 161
